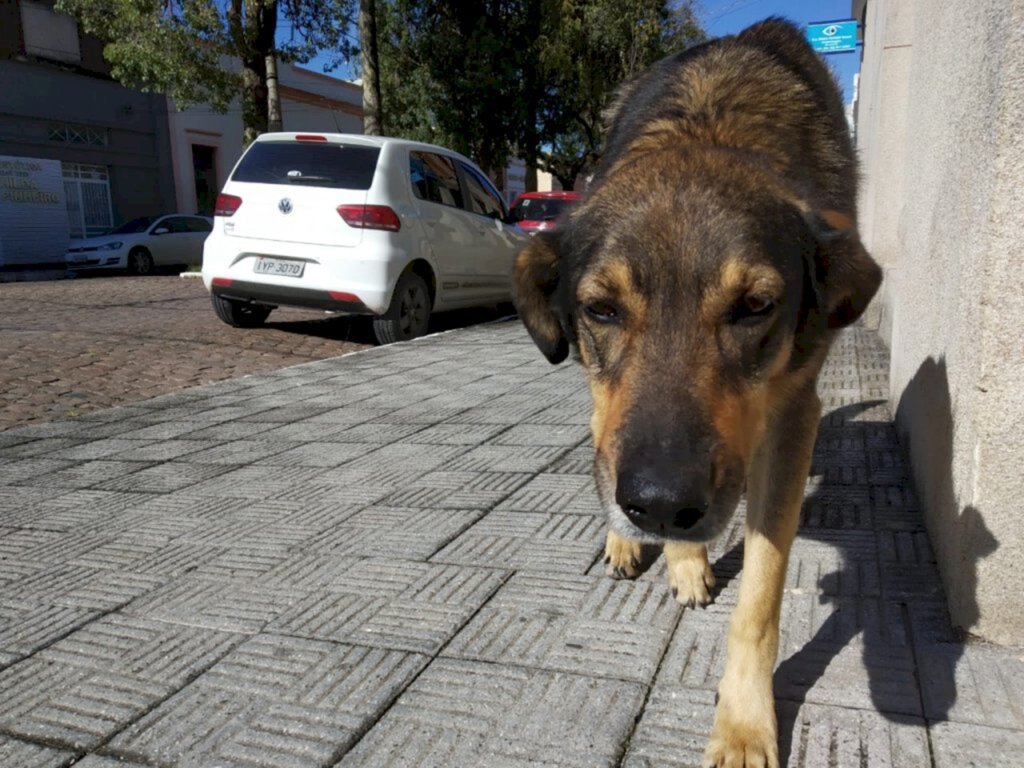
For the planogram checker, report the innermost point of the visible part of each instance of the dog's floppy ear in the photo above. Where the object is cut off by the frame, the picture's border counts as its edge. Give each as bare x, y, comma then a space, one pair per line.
847, 274
534, 282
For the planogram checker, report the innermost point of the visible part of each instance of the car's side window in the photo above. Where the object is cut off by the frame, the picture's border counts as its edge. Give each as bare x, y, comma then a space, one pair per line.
433, 178
199, 225
176, 224
483, 199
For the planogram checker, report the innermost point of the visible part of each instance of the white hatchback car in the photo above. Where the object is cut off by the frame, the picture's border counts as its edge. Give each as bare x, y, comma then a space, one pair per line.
357, 224
142, 244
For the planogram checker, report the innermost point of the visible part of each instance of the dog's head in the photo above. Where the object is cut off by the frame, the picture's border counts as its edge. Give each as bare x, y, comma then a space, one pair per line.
700, 294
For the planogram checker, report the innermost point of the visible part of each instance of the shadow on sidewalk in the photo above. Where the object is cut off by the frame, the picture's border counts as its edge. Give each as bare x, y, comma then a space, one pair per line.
895, 603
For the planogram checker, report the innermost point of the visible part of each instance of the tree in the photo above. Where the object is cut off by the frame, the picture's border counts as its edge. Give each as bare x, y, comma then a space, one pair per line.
526, 78
597, 45
183, 47
373, 124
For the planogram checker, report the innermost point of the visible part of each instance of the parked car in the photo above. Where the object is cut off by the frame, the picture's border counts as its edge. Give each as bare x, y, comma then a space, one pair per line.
535, 212
357, 224
142, 244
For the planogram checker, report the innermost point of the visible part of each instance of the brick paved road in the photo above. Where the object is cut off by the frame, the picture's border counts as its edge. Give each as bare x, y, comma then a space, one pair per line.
68, 347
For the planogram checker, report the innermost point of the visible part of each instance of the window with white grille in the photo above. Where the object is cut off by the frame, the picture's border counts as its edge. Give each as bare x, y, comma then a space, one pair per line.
87, 192
67, 133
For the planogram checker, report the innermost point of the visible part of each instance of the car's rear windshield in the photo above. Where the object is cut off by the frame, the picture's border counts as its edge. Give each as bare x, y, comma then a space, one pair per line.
337, 166
538, 208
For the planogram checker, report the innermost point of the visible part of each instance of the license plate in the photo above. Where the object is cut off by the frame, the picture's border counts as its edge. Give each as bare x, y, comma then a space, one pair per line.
268, 266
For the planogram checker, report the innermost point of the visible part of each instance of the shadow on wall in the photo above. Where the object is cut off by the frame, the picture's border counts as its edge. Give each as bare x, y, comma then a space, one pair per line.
885, 603
924, 419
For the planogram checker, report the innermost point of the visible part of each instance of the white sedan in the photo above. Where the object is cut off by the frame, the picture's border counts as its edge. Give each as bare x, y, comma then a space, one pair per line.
142, 244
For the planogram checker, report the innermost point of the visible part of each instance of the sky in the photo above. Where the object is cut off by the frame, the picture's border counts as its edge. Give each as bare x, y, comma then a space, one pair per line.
726, 17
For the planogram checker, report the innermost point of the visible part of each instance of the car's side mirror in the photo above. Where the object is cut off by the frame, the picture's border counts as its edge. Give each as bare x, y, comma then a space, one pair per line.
161, 231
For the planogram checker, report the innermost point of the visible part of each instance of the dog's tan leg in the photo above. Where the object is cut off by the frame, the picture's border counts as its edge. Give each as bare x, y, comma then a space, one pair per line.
621, 556
689, 573
745, 730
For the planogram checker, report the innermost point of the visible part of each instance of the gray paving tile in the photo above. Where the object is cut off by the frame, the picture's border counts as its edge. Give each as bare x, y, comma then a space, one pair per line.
596, 635
274, 701
958, 745
973, 684
404, 608
14, 752
466, 713
224, 606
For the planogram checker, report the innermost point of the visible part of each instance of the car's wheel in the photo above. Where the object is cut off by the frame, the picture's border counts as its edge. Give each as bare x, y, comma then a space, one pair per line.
409, 313
140, 262
239, 313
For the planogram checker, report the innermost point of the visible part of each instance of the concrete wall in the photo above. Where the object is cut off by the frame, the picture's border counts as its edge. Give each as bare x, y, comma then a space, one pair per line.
941, 134
37, 96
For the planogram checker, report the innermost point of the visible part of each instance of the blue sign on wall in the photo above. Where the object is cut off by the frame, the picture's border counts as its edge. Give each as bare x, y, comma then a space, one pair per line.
833, 36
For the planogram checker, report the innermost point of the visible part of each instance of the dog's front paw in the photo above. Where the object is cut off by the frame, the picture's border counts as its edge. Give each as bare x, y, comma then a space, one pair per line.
747, 742
691, 582
689, 573
621, 557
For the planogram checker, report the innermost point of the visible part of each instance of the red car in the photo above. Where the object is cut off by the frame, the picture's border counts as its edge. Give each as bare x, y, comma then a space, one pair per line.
535, 212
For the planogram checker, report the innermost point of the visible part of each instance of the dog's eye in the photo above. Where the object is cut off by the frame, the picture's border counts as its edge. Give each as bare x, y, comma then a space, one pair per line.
602, 311
753, 308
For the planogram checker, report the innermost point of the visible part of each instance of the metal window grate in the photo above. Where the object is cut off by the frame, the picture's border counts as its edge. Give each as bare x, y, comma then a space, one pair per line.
67, 133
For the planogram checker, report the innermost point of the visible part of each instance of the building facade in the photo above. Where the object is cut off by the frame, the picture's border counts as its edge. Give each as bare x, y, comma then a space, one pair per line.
59, 104
205, 145
118, 153
940, 132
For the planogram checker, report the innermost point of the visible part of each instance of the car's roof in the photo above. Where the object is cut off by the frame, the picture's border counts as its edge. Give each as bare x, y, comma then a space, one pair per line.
357, 138
556, 194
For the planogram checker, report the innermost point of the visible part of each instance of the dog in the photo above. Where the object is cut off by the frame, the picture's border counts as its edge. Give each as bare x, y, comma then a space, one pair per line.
700, 283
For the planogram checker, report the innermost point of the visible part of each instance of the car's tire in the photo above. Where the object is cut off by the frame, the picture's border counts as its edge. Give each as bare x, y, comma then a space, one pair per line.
140, 262
240, 314
408, 316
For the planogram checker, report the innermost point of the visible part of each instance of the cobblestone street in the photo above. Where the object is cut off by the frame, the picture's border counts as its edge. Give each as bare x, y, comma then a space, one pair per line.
68, 347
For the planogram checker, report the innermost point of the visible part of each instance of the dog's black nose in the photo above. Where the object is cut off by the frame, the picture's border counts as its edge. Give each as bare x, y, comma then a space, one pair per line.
663, 505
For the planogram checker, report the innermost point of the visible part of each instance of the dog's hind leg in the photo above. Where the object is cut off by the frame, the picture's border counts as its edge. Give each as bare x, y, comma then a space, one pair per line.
689, 573
622, 556
745, 731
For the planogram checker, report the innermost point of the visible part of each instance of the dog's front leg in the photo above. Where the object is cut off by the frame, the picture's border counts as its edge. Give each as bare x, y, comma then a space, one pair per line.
622, 556
689, 573
745, 730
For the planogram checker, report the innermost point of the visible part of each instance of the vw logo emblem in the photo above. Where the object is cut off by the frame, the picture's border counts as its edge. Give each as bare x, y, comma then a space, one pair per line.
285, 206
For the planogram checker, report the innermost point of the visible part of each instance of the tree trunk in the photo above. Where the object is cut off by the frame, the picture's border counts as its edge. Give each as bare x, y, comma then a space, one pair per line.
254, 99
258, 28
275, 122
373, 121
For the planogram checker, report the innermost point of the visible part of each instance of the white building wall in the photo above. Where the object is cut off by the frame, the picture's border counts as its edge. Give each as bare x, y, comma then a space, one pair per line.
941, 134
309, 102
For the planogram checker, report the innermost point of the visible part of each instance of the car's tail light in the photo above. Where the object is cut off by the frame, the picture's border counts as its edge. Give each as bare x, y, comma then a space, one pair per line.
226, 205
309, 137
222, 282
370, 217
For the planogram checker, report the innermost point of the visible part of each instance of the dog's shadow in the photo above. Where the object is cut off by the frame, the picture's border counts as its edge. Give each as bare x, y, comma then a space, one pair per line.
886, 596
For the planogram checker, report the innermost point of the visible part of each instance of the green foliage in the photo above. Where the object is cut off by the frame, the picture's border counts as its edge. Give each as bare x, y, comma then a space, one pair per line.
526, 78
183, 47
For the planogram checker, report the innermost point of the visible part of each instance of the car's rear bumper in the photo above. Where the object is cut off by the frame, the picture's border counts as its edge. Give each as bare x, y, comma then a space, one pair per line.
293, 296
368, 274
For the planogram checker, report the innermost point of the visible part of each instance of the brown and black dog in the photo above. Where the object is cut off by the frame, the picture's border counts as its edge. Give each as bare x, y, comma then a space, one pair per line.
701, 282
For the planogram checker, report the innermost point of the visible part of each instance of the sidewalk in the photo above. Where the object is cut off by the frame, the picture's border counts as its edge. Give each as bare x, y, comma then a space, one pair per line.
394, 559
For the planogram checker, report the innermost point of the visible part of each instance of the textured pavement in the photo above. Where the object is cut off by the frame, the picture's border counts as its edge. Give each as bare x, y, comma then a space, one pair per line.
393, 559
